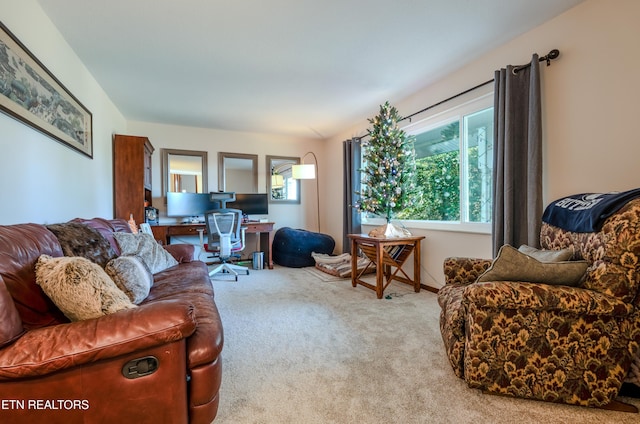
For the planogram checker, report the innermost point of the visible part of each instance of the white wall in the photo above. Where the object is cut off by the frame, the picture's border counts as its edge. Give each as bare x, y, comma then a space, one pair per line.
590, 102
214, 141
42, 180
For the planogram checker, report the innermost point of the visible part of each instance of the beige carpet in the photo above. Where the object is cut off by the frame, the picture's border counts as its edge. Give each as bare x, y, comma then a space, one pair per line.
302, 350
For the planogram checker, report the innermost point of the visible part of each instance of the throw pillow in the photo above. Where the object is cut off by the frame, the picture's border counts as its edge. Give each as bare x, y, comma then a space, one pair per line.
547, 255
513, 265
80, 288
131, 276
77, 239
106, 227
145, 247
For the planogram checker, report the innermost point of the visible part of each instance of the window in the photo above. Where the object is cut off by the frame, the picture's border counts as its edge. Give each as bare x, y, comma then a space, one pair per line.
454, 164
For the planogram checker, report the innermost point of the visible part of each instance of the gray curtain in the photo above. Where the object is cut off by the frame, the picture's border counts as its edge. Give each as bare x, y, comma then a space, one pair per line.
517, 156
352, 157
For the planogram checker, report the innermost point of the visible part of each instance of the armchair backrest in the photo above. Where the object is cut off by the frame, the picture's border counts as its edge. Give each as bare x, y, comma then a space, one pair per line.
613, 252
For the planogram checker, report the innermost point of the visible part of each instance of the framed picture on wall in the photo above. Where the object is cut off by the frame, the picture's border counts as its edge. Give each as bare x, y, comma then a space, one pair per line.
33, 95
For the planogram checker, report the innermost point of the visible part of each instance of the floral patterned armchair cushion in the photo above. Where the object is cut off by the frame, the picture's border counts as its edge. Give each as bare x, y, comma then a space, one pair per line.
556, 343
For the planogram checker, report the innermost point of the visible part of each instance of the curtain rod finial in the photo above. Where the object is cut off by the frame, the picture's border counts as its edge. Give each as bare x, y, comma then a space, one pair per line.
553, 54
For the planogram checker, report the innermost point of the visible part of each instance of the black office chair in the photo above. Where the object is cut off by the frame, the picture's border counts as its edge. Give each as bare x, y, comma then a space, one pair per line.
226, 238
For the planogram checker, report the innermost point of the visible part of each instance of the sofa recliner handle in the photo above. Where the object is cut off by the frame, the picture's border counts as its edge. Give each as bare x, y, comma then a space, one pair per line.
140, 367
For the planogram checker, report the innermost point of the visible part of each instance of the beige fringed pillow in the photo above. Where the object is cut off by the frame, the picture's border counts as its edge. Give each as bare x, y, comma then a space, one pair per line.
513, 265
80, 288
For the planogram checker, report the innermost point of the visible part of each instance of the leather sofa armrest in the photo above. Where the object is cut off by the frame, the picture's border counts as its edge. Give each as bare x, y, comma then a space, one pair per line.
544, 297
459, 270
49, 349
181, 252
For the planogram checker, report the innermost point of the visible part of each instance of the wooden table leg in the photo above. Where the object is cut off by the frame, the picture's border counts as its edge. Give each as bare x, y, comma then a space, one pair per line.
270, 235
416, 267
354, 263
379, 271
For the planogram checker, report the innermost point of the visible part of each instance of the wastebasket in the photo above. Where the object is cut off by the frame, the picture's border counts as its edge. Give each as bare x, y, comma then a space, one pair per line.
258, 260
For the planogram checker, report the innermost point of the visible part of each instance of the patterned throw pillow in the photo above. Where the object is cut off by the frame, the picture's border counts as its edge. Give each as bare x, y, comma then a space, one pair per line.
145, 247
80, 288
513, 265
131, 276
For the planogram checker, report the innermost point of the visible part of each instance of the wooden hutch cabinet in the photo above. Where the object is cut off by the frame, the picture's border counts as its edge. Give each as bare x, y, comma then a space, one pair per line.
131, 176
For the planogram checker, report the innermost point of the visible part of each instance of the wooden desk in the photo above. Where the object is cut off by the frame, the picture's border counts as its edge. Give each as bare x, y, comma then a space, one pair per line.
164, 233
385, 253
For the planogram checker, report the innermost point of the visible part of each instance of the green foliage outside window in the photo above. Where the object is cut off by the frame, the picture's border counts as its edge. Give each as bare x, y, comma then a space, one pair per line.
438, 178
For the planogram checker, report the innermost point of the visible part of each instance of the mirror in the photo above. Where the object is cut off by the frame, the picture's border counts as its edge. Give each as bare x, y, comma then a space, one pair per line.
184, 171
237, 172
282, 188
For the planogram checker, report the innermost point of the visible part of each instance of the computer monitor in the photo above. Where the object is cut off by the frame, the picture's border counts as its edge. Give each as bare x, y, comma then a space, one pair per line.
251, 203
190, 204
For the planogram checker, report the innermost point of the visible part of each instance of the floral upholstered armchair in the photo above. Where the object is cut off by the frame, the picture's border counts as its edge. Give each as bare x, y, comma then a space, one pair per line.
551, 342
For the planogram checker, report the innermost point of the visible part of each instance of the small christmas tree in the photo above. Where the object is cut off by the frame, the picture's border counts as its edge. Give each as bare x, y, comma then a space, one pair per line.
388, 182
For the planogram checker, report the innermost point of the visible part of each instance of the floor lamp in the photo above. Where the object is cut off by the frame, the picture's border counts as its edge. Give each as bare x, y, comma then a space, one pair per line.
308, 171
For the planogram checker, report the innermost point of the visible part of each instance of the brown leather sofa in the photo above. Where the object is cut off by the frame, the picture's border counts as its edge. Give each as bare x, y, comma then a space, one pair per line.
157, 363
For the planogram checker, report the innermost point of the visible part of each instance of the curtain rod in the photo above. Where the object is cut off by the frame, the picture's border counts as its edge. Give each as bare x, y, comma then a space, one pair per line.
553, 54
447, 99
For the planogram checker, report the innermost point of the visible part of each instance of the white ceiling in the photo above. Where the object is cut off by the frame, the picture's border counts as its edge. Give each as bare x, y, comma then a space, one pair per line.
308, 68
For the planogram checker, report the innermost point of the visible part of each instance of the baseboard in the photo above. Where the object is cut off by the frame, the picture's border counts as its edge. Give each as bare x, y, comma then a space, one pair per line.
429, 288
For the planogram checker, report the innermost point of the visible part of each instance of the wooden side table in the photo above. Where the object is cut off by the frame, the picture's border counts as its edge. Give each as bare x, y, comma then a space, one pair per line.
385, 253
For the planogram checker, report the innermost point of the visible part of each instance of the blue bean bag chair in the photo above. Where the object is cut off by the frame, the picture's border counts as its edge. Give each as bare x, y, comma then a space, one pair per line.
292, 247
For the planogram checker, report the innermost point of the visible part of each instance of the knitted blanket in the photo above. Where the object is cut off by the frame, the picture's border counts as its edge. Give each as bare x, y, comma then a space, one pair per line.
340, 265
586, 212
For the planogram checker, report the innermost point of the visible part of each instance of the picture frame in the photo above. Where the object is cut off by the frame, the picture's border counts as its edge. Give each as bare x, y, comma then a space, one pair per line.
30, 93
